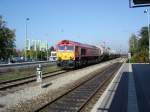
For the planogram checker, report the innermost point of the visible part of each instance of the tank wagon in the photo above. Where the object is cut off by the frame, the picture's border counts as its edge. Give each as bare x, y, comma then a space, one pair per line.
72, 54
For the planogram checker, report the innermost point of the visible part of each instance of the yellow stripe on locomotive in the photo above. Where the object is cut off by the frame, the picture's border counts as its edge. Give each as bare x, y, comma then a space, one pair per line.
65, 55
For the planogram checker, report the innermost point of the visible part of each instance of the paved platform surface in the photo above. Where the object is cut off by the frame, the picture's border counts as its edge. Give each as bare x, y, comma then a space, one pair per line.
129, 91
142, 84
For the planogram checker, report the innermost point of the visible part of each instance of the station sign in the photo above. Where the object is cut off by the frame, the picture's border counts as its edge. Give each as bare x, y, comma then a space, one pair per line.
129, 55
139, 3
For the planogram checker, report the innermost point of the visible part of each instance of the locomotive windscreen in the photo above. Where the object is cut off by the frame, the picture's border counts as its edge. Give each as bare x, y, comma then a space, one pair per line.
61, 47
70, 48
64, 47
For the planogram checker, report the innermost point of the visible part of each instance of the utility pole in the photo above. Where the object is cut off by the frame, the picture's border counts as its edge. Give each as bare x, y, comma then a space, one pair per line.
27, 19
148, 17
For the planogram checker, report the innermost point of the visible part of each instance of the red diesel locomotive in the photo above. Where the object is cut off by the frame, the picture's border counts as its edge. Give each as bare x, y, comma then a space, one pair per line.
72, 54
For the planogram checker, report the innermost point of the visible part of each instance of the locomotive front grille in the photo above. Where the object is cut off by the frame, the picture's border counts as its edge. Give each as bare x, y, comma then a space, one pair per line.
66, 63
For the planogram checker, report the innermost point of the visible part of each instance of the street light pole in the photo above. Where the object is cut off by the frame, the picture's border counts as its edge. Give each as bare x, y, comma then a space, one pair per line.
148, 21
27, 19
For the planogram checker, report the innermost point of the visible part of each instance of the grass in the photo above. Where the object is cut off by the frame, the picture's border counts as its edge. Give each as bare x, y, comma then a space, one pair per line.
25, 72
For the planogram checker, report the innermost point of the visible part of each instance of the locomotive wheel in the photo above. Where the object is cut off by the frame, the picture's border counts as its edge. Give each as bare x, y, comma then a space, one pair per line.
76, 64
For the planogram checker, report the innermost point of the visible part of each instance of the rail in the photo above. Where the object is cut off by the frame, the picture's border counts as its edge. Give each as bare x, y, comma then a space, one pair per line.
13, 83
75, 99
24, 63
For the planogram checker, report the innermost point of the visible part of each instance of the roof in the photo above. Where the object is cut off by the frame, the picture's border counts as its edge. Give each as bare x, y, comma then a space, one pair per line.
64, 42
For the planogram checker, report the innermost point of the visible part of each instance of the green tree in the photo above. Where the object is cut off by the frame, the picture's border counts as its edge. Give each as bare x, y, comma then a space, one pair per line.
143, 44
50, 50
7, 40
133, 43
144, 41
139, 46
31, 54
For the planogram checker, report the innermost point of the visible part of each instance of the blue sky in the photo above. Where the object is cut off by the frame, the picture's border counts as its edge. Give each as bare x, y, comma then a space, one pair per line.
86, 21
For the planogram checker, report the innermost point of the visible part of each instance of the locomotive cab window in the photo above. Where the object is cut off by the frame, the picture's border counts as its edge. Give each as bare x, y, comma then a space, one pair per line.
61, 47
70, 48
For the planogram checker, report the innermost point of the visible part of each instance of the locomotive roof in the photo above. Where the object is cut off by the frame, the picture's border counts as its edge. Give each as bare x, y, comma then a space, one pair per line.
76, 44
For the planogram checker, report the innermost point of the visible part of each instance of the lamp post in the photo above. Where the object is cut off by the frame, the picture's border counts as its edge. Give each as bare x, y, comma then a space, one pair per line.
148, 17
27, 19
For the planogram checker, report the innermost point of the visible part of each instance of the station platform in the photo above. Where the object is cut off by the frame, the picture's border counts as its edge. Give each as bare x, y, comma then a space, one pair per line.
129, 91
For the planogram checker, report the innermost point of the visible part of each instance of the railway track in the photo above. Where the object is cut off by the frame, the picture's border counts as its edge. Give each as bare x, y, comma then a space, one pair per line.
75, 99
16, 82
22, 64
13, 83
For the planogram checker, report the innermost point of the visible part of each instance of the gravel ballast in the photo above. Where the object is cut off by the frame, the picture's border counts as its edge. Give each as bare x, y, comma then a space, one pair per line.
31, 98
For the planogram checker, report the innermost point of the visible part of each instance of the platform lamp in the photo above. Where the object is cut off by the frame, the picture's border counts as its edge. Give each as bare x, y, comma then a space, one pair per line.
148, 17
27, 19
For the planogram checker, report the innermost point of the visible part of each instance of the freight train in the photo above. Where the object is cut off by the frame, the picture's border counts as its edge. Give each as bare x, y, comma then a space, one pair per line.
72, 54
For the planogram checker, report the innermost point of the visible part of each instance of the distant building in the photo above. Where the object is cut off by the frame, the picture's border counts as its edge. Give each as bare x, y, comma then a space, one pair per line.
37, 45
